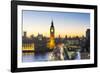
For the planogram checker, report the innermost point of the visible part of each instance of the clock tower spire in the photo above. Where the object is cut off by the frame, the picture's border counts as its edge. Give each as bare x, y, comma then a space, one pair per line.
52, 30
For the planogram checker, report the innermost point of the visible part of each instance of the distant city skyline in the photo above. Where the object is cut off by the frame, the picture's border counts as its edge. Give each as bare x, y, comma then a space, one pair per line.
65, 23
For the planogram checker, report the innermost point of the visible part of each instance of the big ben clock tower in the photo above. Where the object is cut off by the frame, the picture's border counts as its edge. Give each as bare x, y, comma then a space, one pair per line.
52, 30
52, 36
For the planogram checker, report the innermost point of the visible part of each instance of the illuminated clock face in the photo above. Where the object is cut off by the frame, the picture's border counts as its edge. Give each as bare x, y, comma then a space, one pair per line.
51, 30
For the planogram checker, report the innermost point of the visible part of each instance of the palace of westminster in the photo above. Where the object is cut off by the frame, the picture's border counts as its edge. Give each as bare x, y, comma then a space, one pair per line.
43, 44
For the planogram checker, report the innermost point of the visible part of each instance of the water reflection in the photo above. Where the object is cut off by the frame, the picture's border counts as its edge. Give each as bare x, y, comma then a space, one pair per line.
35, 57
40, 57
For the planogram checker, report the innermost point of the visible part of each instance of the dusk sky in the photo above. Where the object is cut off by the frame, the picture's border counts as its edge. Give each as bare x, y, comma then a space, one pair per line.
65, 23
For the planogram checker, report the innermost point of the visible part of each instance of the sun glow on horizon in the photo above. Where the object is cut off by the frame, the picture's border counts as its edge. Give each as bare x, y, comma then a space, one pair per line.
47, 34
